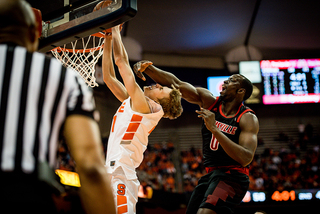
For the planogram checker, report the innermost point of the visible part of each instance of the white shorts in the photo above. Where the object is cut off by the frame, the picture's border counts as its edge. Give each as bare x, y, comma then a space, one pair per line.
125, 192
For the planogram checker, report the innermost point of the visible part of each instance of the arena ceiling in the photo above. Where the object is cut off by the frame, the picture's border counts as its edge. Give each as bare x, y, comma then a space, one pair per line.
278, 29
281, 29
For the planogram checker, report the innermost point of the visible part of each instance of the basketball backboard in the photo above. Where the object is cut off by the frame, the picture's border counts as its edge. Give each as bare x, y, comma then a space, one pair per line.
68, 20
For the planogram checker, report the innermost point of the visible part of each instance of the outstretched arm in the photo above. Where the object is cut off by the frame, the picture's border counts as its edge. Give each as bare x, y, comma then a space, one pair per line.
109, 76
195, 95
139, 101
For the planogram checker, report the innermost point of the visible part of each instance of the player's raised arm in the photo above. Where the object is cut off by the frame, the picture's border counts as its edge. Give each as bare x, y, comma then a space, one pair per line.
195, 95
109, 75
139, 102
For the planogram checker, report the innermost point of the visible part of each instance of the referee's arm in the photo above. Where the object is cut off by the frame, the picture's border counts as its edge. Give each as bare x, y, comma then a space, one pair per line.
82, 136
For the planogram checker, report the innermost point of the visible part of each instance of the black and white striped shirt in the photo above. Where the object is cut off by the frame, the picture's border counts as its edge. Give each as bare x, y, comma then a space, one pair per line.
36, 95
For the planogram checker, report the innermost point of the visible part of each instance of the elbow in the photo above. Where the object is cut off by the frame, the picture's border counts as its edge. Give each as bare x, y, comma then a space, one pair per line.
120, 61
109, 81
93, 172
106, 80
91, 166
245, 164
246, 160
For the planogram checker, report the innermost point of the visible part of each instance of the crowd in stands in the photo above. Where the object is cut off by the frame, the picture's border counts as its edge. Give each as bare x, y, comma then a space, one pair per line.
292, 167
157, 169
295, 166
285, 170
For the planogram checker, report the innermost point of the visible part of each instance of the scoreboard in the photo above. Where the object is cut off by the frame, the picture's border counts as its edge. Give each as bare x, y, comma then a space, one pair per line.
291, 195
290, 81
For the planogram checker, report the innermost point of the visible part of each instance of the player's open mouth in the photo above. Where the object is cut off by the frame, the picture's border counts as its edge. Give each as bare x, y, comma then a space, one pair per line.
223, 89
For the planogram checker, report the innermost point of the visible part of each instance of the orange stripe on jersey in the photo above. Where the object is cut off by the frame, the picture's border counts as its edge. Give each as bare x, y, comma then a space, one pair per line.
122, 209
121, 199
133, 127
152, 129
136, 118
128, 136
121, 109
113, 122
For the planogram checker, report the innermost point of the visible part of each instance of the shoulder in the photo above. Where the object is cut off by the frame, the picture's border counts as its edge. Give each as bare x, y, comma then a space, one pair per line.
249, 121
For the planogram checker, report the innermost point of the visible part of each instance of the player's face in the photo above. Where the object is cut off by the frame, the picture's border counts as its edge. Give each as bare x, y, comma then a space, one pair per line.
156, 92
231, 86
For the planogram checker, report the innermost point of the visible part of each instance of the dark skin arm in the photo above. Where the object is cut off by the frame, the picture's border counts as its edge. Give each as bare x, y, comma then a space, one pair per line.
195, 95
244, 151
83, 138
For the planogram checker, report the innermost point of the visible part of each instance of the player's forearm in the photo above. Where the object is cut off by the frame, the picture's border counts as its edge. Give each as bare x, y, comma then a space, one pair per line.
119, 51
237, 152
162, 77
107, 64
109, 76
121, 57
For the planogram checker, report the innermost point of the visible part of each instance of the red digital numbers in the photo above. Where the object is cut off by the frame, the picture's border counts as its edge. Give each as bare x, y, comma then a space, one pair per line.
284, 196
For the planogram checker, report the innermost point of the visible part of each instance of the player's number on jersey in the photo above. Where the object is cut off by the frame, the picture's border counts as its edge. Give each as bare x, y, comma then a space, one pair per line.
214, 144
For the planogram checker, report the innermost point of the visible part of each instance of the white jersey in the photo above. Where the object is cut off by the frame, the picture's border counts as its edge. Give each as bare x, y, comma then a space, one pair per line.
128, 137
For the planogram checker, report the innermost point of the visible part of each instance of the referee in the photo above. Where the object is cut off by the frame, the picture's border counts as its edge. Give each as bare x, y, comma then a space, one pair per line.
39, 99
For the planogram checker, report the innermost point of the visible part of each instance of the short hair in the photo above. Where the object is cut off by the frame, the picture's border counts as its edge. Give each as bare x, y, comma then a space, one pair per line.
247, 85
171, 106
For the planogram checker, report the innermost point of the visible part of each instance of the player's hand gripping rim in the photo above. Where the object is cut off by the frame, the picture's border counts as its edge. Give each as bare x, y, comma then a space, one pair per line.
140, 67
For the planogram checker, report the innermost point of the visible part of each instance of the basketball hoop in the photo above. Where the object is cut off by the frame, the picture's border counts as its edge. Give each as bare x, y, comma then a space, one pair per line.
82, 55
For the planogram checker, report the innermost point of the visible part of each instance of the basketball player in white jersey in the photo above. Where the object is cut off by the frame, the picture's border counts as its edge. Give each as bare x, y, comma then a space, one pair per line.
135, 119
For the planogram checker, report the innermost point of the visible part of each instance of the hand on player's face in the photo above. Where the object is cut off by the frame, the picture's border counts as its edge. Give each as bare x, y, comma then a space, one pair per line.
140, 67
209, 118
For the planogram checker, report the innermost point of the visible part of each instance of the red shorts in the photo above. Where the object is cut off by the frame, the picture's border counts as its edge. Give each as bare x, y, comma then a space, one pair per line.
243, 170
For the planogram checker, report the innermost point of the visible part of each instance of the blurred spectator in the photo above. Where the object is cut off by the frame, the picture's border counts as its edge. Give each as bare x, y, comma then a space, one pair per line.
285, 171
308, 132
301, 128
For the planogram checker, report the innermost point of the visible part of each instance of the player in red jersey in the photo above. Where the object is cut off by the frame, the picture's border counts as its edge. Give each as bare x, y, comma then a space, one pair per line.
229, 139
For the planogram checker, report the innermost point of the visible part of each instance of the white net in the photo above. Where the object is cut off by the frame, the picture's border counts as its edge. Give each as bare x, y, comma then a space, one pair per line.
81, 58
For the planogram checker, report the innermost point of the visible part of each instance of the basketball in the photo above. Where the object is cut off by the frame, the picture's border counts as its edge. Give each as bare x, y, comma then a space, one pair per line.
100, 5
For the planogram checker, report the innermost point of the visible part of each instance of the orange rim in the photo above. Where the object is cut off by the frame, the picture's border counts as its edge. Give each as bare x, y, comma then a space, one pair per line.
60, 49
88, 50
